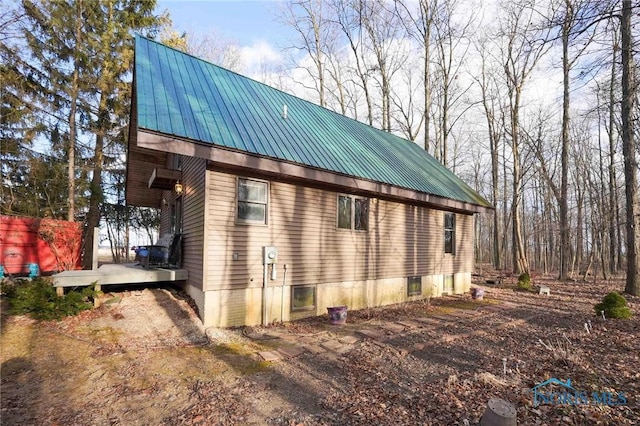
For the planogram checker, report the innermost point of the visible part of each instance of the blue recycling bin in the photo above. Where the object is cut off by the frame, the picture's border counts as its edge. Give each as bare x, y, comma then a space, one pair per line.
34, 270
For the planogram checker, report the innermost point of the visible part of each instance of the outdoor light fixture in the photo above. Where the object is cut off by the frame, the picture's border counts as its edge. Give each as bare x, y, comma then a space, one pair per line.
178, 188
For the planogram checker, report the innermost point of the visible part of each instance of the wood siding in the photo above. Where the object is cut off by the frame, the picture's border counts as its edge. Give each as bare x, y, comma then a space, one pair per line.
194, 203
402, 239
193, 220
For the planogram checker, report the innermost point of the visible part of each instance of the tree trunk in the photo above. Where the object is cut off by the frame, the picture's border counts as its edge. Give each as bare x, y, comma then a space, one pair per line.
425, 10
427, 97
579, 246
563, 203
604, 209
95, 200
75, 93
505, 210
520, 263
613, 190
629, 152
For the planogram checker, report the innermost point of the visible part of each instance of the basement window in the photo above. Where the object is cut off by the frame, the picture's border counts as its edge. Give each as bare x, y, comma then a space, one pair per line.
252, 198
450, 233
303, 298
414, 286
353, 213
448, 285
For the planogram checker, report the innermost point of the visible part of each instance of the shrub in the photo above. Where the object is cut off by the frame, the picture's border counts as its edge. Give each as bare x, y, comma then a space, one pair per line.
524, 282
614, 305
38, 299
7, 288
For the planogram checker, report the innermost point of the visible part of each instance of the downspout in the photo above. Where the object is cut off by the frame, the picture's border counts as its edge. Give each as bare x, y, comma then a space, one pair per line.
265, 277
284, 281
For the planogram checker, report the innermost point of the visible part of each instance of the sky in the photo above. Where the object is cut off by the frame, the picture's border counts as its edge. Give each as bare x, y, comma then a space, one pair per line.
249, 22
252, 25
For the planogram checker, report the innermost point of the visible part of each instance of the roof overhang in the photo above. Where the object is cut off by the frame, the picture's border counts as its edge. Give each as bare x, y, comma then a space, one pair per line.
162, 178
226, 159
141, 163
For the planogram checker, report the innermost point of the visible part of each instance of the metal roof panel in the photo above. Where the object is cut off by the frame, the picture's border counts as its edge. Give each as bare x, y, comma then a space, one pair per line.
181, 95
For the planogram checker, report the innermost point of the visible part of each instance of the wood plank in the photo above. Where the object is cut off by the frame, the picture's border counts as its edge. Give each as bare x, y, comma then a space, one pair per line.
117, 274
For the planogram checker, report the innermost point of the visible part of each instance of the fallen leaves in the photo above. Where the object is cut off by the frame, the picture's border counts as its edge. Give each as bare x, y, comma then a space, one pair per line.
436, 363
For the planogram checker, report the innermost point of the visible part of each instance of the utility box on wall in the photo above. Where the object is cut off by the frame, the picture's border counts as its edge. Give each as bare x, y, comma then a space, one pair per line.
269, 255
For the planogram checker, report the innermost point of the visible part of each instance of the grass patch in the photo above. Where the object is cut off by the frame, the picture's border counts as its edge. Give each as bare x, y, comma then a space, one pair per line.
241, 358
253, 367
238, 358
103, 334
231, 349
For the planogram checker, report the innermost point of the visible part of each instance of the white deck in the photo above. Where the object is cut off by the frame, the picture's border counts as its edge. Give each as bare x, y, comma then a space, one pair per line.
125, 273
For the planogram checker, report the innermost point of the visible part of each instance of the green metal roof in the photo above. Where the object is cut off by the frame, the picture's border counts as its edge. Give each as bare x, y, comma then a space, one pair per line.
178, 94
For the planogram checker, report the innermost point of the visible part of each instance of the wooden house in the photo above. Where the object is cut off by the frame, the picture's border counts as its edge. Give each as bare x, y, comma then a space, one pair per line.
285, 207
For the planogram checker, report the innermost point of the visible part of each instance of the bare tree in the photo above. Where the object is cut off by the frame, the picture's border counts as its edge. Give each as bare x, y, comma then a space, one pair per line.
493, 114
408, 116
315, 33
614, 216
212, 46
348, 18
216, 48
629, 151
419, 24
385, 33
451, 33
574, 21
524, 49
337, 73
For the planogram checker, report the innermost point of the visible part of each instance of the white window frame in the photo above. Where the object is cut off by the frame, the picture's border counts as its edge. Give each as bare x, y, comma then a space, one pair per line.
452, 231
352, 217
243, 221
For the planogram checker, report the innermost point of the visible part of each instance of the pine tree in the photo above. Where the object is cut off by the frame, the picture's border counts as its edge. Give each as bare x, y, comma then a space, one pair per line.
82, 52
111, 45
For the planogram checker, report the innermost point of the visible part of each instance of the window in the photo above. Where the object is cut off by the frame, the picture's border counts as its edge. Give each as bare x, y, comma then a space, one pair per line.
448, 285
361, 214
450, 233
344, 212
252, 201
414, 286
176, 162
303, 298
353, 213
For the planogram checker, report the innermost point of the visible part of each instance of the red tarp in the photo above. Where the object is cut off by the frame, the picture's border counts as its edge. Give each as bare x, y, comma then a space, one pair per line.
54, 245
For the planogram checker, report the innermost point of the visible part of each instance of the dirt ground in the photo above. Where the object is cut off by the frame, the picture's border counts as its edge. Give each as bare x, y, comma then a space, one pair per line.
143, 358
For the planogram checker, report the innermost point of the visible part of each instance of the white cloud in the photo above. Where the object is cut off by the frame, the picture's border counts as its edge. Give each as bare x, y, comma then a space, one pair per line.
258, 56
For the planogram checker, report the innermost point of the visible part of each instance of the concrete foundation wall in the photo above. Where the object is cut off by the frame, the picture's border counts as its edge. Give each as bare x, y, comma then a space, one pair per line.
236, 307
